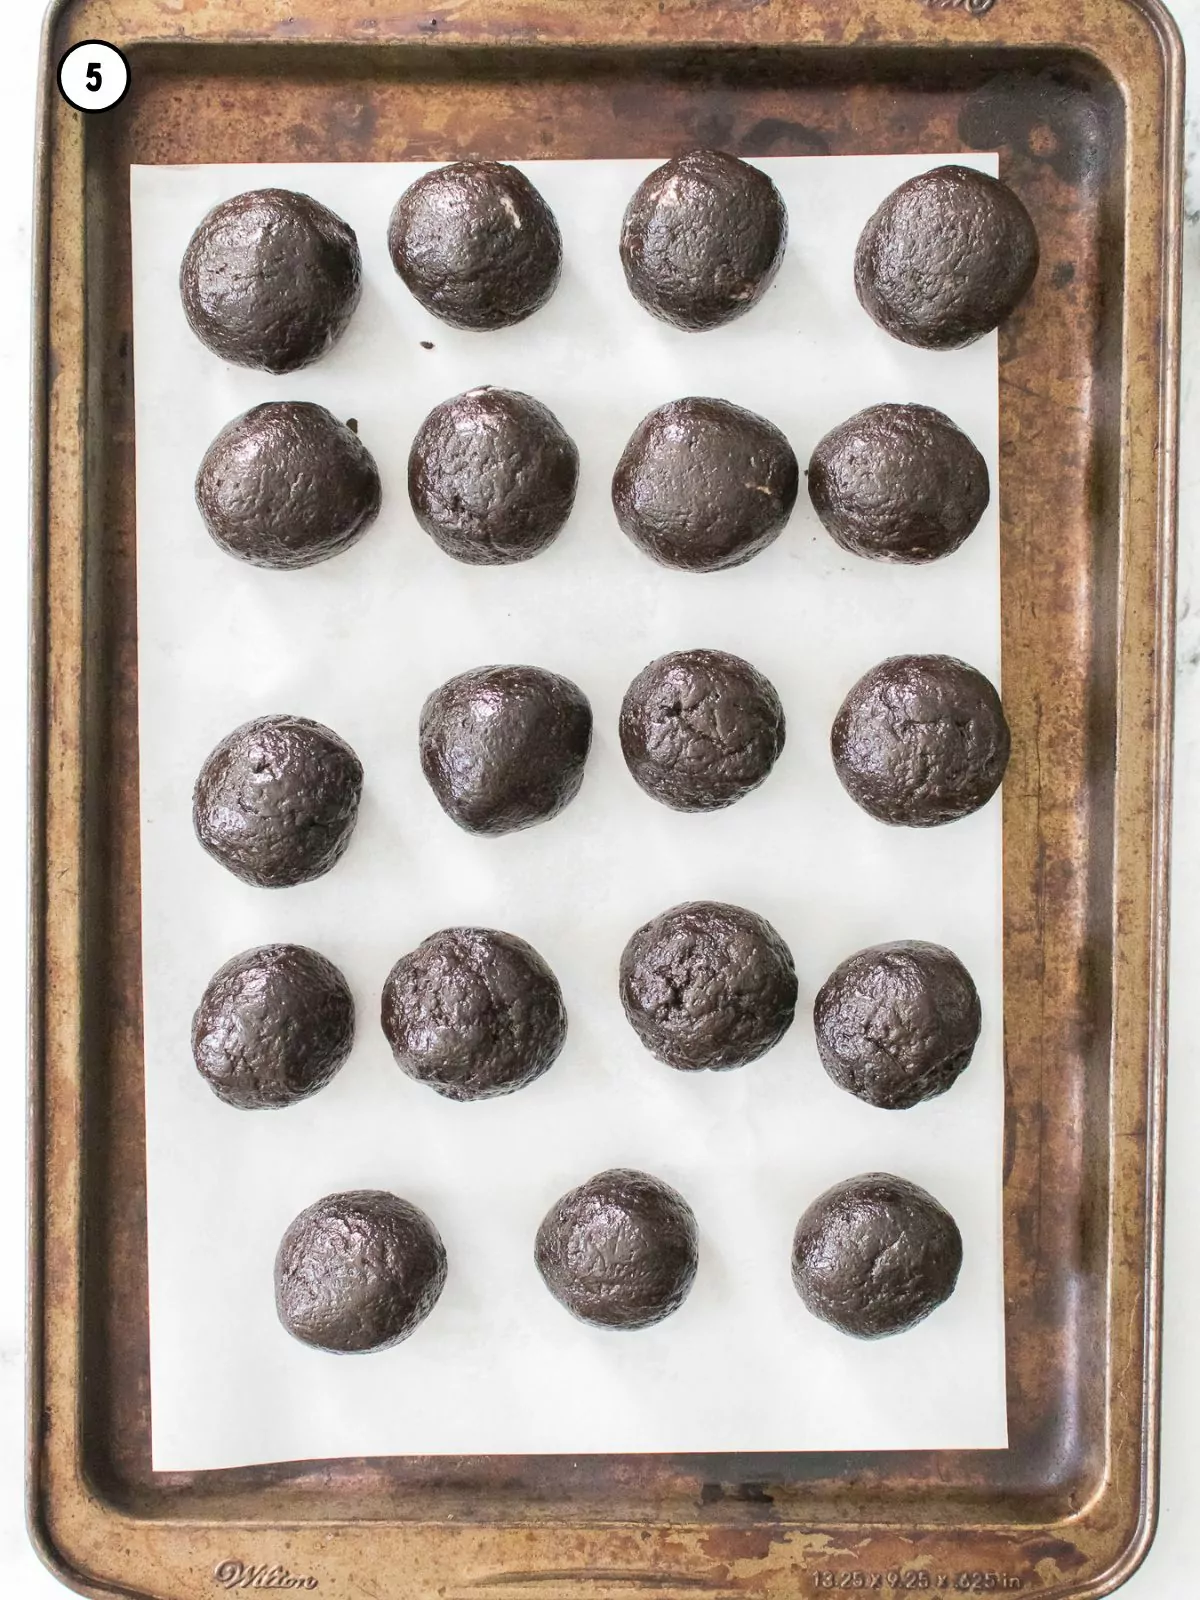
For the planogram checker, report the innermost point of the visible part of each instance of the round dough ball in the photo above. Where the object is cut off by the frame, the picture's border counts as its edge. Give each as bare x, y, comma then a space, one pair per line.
276, 801
947, 256
921, 740
476, 244
708, 986
492, 476
620, 1251
700, 729
703, 485
274, 1025
504, 747
899, 483
358, 1271
270, 279
473, 1013
897, 1024
286, 485
702, 239
875, 1255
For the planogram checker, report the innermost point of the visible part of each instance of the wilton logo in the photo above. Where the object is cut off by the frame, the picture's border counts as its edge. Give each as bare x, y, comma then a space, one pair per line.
975, 7
238, 1575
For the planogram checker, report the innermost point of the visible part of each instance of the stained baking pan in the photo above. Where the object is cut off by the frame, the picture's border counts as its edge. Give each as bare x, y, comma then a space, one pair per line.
1082, 98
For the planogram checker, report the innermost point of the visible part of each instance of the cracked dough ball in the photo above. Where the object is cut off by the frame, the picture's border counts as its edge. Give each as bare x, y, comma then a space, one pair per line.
946, 258
620, 1251
476, 244
274, 1025
286, 485
276, 801
270, 279
700, 729
702, 239
875, 1255
703, 485
898, 483
708, 986
473, 1013
492, 476
503, 748
921, 740
897, 1024
358, 1271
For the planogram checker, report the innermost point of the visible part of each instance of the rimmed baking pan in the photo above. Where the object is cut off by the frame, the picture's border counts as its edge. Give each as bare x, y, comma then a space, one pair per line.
1083, 102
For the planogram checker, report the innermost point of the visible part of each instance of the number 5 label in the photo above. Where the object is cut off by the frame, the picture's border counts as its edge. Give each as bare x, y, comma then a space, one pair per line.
93, 76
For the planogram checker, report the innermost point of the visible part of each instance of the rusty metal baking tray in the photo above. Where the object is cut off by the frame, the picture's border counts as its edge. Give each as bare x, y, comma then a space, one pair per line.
1083, 100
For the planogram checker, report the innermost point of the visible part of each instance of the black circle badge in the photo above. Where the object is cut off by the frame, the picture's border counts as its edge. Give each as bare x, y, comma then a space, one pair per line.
93, 76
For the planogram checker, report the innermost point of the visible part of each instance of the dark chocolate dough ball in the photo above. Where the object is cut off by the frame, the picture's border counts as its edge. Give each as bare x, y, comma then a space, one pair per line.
620, 1251
270, 279
492, 476
947, 256
921, 740
875, 1255
504, 747
273, 1026
900, 483
704, 485
702, 239
276, 801
700, 729
358, 1271
286, 485
476, 244
473, 1013
707, 985
897, 1024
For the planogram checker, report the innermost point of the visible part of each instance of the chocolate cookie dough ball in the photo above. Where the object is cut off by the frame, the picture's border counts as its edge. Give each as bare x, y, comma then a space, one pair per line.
286, 485
492, 476
273, 1026
921, 740
875, 1255
473, 1013
277, 800
504, 747
620, 1251
702, 239
946, 258
899, 483
476, 244
358, 1271
703, 485
270, 279
897, 1024
708, 986
700, 729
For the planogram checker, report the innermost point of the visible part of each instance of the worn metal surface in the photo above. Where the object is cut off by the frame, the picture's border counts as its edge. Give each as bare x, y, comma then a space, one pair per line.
1083, 99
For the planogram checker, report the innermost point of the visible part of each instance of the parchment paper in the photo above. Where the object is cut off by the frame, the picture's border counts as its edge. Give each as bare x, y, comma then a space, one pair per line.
358, 643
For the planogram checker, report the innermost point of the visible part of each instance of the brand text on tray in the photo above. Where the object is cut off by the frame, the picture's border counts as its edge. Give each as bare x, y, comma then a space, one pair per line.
242, 1575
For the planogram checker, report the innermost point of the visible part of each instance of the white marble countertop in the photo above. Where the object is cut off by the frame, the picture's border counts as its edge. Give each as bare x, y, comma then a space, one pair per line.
1170, 1571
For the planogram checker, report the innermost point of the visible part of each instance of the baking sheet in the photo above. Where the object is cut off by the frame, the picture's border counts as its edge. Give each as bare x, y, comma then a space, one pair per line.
358, 642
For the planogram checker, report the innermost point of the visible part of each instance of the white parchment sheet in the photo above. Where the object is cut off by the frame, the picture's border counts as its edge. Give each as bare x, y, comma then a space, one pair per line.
358, 643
